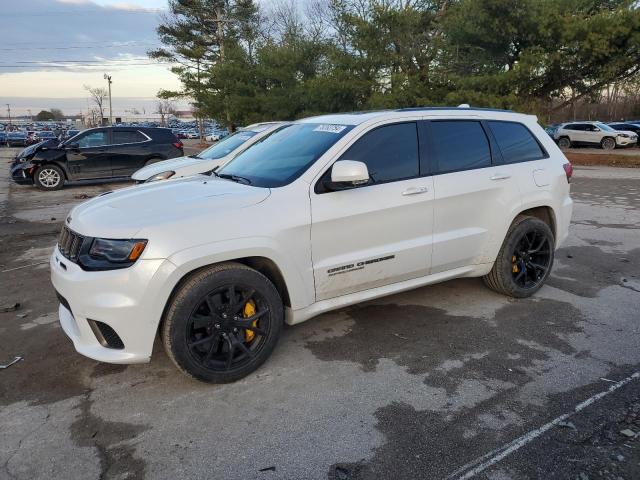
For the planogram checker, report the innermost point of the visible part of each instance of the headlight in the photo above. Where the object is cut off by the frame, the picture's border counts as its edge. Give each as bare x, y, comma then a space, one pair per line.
106, 254
623, 135
161, 176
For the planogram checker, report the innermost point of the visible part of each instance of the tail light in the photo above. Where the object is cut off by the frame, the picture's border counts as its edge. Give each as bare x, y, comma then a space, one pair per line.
568, 170
178, 144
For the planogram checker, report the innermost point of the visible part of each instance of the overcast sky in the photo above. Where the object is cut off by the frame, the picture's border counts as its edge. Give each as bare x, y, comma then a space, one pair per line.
50, 49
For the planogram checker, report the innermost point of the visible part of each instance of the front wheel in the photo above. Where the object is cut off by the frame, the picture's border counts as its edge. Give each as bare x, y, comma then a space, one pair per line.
608, 144
525, 259
223, 323
49, 177
564, 143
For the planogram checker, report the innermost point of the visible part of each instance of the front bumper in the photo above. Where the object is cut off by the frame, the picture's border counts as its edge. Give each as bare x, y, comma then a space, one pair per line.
626, 142
20, 173
130, 301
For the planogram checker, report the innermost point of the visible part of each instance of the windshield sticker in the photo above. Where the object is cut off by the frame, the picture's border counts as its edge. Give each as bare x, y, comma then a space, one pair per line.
329, 128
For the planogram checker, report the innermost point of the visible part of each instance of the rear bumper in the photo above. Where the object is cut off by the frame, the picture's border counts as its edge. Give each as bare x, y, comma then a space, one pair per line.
563, 221
126, 300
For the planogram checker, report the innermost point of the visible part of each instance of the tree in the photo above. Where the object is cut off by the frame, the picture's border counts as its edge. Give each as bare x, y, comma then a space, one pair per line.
57, 114
44, 116
98, 96
196, 35
239, 64
165, 107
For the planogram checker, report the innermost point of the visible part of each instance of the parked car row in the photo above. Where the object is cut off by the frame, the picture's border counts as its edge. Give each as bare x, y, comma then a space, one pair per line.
300, 218
606, 136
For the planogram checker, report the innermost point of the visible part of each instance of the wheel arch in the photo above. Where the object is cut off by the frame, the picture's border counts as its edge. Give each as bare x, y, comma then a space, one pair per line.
542, 212
266, 266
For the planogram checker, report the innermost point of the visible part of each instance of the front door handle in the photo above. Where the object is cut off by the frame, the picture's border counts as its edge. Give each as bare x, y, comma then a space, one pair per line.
500, 176
415, 190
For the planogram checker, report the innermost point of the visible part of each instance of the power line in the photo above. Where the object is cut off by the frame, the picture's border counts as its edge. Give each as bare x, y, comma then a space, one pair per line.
84, 42
84, 12
114, 45
100, 65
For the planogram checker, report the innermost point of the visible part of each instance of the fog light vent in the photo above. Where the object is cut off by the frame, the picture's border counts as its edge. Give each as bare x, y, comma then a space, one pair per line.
106, 335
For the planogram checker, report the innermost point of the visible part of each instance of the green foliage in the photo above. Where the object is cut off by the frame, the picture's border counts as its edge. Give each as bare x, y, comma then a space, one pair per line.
44, 116
519, 54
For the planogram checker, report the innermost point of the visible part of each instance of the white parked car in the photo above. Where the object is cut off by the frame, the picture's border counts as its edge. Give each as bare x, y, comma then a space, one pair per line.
324, 213
215, 136
208, 159
593, 134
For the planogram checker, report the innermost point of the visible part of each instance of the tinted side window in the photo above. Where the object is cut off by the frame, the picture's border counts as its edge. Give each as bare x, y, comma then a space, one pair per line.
459, 145
93, 139
390, 152
127, 136
516, 142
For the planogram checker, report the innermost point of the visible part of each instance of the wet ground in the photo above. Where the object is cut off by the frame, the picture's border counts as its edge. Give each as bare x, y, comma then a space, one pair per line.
446, 382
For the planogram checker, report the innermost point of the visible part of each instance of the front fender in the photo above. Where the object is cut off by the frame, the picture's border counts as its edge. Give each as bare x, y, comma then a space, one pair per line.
299, 283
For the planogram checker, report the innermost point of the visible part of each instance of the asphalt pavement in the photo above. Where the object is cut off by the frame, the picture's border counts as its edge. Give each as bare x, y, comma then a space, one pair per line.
450, 381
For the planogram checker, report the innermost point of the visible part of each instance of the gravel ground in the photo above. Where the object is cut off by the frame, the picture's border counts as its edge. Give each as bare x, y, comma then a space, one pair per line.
450, 381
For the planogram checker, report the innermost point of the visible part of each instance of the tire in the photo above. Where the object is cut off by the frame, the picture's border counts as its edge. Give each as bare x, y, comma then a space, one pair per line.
511, 271
564, 142
198, 342
608, 143
49, 177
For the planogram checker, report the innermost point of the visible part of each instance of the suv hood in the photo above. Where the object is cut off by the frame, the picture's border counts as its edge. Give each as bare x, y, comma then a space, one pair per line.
49, 144
126, 212
183, 166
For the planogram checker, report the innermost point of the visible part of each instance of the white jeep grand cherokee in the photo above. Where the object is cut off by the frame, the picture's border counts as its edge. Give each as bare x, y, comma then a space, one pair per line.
323, 213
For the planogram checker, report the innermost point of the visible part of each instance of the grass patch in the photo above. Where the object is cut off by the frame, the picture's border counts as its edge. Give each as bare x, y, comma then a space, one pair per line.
611, 160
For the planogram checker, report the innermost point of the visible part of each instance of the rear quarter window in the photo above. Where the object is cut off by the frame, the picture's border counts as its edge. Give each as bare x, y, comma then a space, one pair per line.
516, 142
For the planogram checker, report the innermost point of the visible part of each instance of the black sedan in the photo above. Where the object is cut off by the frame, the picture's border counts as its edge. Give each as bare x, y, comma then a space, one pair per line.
97, 153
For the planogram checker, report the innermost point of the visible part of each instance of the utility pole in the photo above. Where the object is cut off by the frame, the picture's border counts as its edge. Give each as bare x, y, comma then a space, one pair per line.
108, 79
30, 115
9, 112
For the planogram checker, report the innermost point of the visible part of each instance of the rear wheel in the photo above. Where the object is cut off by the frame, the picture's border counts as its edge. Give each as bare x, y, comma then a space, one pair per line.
223, 323
49, 177
564, 142
525, 259
608, 143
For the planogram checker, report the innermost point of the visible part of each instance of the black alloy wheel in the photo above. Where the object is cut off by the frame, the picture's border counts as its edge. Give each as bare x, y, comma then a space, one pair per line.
222, 323
531, 260
525, 258
228, 328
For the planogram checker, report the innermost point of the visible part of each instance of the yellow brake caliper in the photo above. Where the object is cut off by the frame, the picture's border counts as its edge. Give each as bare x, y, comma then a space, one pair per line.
249, 311
514, 265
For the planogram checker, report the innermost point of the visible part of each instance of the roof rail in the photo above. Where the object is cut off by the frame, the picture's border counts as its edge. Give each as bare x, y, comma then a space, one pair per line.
464, 105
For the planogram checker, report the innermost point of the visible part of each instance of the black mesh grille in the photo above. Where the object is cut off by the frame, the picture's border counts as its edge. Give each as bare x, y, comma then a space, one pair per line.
106, 335
69, 243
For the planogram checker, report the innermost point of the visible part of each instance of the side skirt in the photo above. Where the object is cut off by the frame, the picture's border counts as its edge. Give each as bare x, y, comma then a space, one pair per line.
293, 317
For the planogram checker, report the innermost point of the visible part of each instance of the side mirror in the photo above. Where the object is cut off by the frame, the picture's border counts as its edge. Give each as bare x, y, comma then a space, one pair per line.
72, 146
595, 129
348, 174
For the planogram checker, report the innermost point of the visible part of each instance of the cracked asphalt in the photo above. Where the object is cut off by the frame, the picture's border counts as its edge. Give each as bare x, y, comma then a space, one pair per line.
420, 385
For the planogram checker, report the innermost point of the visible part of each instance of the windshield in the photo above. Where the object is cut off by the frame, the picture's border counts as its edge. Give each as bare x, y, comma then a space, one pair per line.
227, 145
605, 127
284, 155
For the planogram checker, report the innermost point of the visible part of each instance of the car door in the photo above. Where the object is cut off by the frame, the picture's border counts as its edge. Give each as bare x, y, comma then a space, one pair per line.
87, 156
379, 233
473, 196
129, 151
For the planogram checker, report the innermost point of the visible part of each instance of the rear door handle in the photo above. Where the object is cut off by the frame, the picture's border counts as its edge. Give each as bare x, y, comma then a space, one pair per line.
500, 176
415, 190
